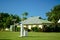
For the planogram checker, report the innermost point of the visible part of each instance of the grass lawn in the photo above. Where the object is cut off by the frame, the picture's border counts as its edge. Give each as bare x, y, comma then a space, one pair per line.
31, 36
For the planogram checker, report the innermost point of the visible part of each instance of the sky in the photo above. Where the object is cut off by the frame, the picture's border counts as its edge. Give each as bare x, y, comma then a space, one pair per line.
33, 7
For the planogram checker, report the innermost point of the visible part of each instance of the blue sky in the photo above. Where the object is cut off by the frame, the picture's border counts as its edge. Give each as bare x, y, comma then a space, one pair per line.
33, 7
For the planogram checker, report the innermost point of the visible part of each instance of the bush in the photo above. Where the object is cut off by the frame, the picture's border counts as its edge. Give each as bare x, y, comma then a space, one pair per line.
18, 29
56, 29
35, 29
51, 28
47, 28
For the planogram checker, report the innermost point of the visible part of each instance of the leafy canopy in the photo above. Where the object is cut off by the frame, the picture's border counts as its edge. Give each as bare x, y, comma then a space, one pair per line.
54, 14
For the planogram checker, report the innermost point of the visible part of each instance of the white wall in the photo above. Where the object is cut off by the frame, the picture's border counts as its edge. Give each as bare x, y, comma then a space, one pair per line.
40, 26
30, 26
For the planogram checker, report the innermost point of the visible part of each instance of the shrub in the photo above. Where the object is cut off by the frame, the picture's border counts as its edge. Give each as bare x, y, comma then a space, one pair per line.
35, 29
46, 28
18, 29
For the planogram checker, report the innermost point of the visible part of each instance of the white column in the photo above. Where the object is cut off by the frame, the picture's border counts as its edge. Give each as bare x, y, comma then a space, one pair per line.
11, 27
25, 32
22, 30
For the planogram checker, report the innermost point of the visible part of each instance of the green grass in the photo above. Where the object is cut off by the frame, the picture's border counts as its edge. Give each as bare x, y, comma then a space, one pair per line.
31, 36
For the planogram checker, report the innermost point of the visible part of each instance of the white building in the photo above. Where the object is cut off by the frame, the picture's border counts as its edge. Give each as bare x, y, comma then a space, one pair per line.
32, 22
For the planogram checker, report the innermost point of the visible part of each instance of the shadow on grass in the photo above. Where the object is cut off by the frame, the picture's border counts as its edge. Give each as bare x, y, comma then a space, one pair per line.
5, 39
50, 32
30, 36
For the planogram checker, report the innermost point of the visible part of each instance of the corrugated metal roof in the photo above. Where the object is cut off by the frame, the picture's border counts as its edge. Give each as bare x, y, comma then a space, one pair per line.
35, 20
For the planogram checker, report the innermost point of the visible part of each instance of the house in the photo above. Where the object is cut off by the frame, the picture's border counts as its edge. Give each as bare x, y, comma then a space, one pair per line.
32, 22
35, 21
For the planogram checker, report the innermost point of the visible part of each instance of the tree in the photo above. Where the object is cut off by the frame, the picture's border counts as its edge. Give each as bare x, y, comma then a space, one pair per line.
17, 18
54, 16
6, 20
3, 17
25, 14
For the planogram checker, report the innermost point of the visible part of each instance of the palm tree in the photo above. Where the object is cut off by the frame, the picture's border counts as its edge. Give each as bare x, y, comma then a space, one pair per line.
25, 14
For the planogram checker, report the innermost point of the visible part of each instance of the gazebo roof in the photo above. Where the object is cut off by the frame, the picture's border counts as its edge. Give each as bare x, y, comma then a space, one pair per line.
35, 20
